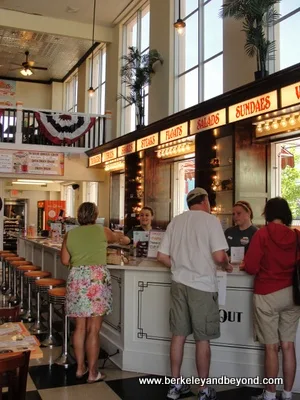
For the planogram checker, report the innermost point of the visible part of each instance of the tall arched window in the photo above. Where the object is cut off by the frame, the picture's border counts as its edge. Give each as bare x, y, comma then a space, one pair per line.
136, 33
286, 32
199, 53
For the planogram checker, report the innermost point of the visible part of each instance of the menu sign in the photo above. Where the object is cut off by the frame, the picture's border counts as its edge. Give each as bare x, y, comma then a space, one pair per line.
258, 105
174, 133
31, 162
290, 95
109, 155
209, 121
126, 149
94, 160
155, 238
146, 142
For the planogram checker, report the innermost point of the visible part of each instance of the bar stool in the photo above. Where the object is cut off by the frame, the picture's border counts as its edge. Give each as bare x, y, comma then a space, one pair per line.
8, 261
15, 265
42, 286
57, 296
21, 270
4, 284
31, 278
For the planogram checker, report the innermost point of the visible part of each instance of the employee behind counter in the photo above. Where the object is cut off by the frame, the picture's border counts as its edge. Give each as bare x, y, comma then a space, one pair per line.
146, 218
239, 236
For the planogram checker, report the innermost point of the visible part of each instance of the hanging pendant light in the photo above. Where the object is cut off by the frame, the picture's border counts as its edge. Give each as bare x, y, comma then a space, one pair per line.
91, 90
179, 25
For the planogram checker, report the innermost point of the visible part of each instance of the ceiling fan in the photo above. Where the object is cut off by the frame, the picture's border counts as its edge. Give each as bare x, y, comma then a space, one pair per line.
28, 66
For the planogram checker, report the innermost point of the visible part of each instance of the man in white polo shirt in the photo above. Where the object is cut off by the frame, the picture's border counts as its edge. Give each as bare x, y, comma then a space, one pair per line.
192, 246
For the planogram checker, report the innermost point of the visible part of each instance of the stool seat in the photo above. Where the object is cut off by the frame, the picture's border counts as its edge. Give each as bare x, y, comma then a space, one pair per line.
4, 252
28, 268
10, 259
58, 292
38, 274
50, 282
19, 263
7, 255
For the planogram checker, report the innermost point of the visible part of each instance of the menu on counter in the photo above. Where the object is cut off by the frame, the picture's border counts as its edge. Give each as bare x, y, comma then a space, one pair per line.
155, 237
140, 242
31, 162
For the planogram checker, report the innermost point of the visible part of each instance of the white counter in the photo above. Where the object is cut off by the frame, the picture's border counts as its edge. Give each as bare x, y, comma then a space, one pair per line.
139, 324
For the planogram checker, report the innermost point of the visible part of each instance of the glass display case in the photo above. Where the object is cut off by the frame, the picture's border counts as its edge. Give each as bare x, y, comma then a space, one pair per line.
223, 183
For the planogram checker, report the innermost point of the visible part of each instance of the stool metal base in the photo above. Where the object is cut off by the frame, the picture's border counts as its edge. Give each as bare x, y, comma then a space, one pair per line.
27, 317
38, 328
52, 341
65, 360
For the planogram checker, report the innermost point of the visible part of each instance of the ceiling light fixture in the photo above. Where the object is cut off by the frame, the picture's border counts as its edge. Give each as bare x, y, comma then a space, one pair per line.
33, 181
179, 25
29, 183
26, 72
91, 90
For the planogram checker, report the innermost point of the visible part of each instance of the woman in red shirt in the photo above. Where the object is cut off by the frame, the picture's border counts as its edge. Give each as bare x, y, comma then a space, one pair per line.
271, 258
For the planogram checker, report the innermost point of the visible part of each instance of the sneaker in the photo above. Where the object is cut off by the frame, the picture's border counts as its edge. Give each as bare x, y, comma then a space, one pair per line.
284, 398
212, 395
174, 392
262, 397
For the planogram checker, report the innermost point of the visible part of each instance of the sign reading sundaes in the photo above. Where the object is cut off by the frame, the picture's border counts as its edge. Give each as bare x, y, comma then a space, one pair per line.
109, 155
209, 121
290, 95
94, 160
249, 108
126, 149
174, 133
146, 142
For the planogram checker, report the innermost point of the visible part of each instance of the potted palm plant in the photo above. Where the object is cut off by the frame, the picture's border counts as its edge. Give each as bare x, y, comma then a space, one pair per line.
257, 16
136, 73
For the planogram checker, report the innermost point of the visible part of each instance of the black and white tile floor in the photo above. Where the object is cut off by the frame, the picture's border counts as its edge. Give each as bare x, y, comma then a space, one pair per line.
47, 381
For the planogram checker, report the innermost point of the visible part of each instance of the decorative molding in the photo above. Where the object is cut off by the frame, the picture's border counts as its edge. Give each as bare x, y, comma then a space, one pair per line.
117, 327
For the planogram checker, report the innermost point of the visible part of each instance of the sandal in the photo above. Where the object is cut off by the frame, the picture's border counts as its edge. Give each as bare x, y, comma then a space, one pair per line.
100, 377
82, 376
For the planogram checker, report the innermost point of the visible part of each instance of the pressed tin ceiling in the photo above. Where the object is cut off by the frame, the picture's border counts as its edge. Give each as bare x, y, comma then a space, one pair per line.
59, 54
74, 10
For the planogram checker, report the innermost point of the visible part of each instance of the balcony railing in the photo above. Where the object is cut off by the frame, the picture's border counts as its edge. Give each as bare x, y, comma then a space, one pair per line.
20, 126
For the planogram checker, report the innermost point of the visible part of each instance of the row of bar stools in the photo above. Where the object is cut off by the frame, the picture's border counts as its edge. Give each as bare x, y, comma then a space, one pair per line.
57, 297
21, 270
31, 279
4, 285
8, 261
15, 265
42, 286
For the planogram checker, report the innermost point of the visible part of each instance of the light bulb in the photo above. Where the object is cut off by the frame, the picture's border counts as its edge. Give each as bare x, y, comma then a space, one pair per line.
283, 123
292, 121
91, 91
275, 125
179, 25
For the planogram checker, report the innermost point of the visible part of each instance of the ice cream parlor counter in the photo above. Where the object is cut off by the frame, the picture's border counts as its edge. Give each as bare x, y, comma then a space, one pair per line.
137, 335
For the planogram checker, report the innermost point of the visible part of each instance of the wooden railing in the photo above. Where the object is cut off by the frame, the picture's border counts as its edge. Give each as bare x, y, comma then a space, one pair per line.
19, 125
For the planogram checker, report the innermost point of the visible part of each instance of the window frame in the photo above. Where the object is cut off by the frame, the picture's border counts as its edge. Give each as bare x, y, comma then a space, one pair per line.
202, 61
138, 16
71, 93
100, 54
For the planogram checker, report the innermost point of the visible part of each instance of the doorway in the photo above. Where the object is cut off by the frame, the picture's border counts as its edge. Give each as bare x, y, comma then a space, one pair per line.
285, 181
184, 181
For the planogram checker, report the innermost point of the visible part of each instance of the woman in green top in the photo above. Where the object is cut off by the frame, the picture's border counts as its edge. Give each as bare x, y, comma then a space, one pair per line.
89, 296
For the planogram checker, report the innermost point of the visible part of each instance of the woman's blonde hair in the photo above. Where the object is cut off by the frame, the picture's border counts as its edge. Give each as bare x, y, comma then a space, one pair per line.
87, 213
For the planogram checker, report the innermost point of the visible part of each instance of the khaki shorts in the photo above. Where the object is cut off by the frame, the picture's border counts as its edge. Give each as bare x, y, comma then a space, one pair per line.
194, 311
275, 317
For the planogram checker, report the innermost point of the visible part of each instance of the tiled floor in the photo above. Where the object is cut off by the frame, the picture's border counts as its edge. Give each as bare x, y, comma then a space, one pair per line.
48, 382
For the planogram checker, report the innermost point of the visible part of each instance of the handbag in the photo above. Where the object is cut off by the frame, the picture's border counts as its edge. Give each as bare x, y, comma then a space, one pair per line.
296, 275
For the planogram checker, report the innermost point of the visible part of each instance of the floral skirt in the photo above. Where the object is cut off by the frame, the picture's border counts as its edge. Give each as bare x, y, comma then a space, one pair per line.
89, 291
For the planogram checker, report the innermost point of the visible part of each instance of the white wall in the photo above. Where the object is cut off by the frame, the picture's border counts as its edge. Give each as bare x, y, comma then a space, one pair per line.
34, 95
161, 89
57, 96
113, 83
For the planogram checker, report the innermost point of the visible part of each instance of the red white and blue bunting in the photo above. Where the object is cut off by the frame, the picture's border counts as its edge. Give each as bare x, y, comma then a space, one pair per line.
64, 128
